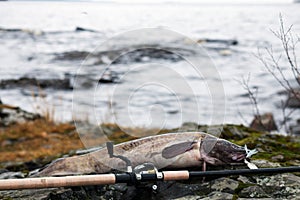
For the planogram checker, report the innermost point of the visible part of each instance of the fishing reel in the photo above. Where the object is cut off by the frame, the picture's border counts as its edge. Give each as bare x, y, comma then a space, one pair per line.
141, 173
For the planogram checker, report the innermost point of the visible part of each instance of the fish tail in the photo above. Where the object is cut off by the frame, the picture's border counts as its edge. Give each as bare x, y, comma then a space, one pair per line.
54, 169
73, 166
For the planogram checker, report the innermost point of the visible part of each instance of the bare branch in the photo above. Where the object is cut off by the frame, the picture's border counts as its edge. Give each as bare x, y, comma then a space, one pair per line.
272, 64
270, 70
288, 44
252, 96
244, 121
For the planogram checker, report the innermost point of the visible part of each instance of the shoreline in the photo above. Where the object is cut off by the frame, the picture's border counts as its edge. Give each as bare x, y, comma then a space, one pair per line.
274, 151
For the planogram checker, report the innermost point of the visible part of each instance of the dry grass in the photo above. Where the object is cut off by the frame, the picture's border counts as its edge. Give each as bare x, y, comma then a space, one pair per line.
37, 139
45, 140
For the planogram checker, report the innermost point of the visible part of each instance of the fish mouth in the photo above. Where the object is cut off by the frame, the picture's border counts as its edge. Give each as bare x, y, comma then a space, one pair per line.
243, 156
239, 157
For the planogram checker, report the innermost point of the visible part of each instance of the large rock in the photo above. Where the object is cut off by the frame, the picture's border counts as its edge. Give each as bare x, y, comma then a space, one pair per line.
264, 122
225, 185
295, 129
253, 192
25, 82
12, 114
132, 54
281, 186
293, 100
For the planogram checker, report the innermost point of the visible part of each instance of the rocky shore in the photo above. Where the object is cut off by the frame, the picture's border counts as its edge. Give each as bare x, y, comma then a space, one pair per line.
29, 145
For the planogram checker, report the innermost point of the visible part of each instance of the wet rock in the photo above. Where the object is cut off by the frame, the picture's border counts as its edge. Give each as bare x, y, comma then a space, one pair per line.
38, 194
293, 100
82, 81
295, 129
145, 54
11, 115
189, 126
33, 91
256, 198
253, 192
165, 190
281, 185
244, 179
224, 185
178, 189
9, 175
10, 29
1, 103
189, 197
29, 31
72, 193
264, 163
277, 158
264, 122
81, 29
72, 55
109, 77
24, 82
212, 196
136, 54
218, 196
290, 180
220, 41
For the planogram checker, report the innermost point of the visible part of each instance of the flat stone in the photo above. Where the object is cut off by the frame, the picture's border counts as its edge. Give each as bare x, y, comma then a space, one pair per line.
225, 185
277, 158
265, 163
11, 115
9, 175
244, 179
256, 198
293, 100
295, 129
253, 192
218, 196
189, 197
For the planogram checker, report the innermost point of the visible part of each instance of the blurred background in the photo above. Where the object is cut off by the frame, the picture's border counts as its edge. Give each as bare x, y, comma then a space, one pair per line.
49, 48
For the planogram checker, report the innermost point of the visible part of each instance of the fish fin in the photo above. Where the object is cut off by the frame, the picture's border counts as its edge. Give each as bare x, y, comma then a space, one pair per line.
177, 149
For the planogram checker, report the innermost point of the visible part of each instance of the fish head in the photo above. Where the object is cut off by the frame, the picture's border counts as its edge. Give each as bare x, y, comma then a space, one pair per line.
218, 151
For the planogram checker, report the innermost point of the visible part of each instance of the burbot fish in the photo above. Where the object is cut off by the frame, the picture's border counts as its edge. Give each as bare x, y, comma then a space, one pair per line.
172, 150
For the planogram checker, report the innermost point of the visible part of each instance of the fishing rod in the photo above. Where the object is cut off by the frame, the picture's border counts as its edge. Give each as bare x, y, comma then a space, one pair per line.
146, 172
131, 178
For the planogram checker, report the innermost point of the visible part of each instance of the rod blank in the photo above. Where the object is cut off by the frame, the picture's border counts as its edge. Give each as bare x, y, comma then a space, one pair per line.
103, 179
221, 173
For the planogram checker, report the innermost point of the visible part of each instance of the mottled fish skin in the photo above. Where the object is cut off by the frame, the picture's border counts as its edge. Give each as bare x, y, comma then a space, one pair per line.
172, 150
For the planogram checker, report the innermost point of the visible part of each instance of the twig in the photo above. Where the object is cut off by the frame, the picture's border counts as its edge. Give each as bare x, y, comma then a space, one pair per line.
288, 43
253, 99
